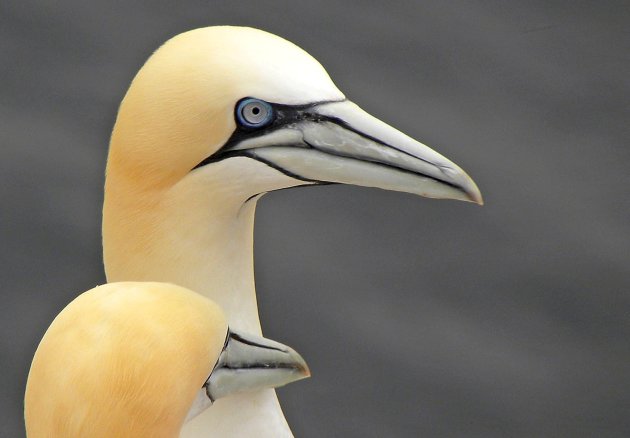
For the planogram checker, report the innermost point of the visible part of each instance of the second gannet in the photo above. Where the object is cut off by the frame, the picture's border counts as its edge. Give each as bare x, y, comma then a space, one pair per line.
216, 118
137, 360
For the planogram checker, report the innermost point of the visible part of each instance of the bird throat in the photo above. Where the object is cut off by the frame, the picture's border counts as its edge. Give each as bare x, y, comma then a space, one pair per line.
203, 242
199, 238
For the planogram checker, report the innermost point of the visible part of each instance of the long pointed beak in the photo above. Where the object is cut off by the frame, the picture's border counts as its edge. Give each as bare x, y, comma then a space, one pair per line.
338, 142
249, 363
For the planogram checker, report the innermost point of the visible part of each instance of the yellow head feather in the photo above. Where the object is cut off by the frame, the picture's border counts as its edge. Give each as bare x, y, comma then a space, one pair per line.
179, 108
178, 111
123, 360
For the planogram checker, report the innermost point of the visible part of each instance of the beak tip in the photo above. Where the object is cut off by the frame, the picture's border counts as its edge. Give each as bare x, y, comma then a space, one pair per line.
300, 365
306, 372
477, 198
472, 191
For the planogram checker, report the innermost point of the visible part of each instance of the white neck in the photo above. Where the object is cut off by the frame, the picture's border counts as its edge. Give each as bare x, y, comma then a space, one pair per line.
193, 236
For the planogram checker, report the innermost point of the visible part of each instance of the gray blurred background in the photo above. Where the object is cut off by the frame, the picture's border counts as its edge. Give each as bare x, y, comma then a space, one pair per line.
417, 317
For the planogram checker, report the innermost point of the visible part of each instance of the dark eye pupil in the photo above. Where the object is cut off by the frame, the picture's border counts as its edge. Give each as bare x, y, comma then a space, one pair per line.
254, 113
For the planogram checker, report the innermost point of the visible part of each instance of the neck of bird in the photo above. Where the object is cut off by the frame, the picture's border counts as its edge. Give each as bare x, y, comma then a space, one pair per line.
201, 240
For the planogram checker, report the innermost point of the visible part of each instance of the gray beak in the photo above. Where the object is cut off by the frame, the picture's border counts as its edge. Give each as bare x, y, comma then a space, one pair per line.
249, 363
338, 142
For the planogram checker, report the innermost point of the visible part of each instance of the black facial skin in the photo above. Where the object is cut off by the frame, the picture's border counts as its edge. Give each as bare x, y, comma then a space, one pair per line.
283, 115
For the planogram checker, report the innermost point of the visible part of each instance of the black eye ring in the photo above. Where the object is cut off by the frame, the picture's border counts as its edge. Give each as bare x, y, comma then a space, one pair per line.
253, 113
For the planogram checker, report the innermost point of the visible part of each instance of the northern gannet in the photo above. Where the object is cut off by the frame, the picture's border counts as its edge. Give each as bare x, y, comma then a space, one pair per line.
139, 359
215, 118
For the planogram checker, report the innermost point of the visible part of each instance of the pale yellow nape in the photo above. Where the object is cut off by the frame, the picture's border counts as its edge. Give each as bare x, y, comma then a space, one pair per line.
123, 360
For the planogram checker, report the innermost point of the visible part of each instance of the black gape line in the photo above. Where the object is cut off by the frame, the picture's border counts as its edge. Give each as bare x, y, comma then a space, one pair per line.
220, 363
292, 114
283, 115
234, 336
274, 366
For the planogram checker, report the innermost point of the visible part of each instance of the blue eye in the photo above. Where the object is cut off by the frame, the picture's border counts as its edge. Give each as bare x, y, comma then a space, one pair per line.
253, 113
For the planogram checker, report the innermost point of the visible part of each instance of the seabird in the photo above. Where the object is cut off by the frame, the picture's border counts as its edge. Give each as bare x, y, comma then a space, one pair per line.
216, 118
139, 359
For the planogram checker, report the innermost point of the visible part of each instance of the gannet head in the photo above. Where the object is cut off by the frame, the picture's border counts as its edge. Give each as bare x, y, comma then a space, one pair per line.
247, 112
139, 359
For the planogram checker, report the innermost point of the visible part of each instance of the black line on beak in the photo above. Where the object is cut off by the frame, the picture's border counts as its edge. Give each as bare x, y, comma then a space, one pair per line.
285, 115
242, 340
250, 154
292, 114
